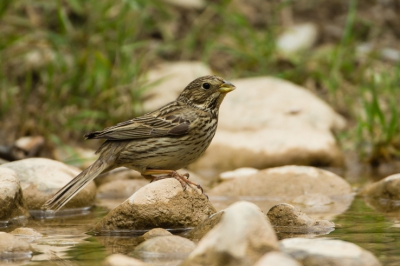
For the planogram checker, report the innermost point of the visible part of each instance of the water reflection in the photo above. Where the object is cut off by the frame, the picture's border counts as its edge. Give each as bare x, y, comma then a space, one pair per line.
66, 242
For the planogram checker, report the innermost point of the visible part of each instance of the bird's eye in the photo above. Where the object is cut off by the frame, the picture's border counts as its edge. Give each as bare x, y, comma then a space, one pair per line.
206, 86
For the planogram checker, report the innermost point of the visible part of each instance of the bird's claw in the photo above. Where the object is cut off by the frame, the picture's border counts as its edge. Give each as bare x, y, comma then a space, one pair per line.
183, 179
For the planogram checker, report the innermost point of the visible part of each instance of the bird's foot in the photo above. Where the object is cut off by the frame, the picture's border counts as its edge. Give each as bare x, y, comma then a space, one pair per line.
185, 182
183, 179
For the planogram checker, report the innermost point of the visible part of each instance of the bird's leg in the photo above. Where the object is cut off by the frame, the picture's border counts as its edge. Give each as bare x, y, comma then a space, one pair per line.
183, 179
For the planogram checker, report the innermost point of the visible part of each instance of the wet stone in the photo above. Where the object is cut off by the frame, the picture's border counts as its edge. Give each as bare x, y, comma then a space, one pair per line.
153, 233
156, 232
384, 195
12, 203
26, 231
163, 204
13, 248
327, 252
288, 221
123, 260
242, 236
387, 188
164, 250
27, 234
204, 227
275, 258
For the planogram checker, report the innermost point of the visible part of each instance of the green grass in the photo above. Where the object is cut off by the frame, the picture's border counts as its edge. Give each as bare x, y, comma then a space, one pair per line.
68, 67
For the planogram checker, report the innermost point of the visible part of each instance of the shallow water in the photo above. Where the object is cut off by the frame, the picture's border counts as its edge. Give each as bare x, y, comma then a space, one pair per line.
66, 241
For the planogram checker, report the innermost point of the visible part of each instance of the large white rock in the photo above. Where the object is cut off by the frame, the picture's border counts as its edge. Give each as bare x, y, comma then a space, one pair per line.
40, 178
242, 236
163, 204
327, 252
312, 190
285, 182
270, 122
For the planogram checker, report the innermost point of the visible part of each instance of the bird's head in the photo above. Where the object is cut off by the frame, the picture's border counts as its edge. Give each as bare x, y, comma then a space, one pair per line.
206, 92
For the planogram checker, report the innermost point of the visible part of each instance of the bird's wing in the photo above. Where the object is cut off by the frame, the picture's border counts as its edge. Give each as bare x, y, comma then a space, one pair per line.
155, 124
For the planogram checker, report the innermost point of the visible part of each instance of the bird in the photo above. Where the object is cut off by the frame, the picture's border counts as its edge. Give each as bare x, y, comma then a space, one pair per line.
158, 143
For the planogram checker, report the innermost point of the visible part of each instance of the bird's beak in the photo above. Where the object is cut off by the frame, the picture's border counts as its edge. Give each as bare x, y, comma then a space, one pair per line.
226, 87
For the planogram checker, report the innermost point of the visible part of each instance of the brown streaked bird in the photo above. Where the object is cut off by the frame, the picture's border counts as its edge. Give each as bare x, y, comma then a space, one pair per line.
159, 142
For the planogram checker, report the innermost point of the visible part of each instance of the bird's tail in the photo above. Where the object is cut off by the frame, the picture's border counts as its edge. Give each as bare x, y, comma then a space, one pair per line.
75, 185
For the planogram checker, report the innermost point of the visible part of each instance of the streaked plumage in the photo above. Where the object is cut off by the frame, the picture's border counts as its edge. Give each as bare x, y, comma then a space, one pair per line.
158, 142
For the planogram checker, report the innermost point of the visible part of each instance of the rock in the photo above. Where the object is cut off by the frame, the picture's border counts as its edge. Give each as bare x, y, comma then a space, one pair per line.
244, 171
297, 38
123, 188
327, 252
163, 204
27, 147
241, 237
270, 122
12, 202
13, 248
204, 227
286, 182
40, 178
383, 195
27, 234
288, 221
22, 148
275, 258
155, 232
123, 260
164, 250
25, 231
169, 80
387, 188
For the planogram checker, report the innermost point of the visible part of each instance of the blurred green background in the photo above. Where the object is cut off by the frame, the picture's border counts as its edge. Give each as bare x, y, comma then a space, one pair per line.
69, 67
